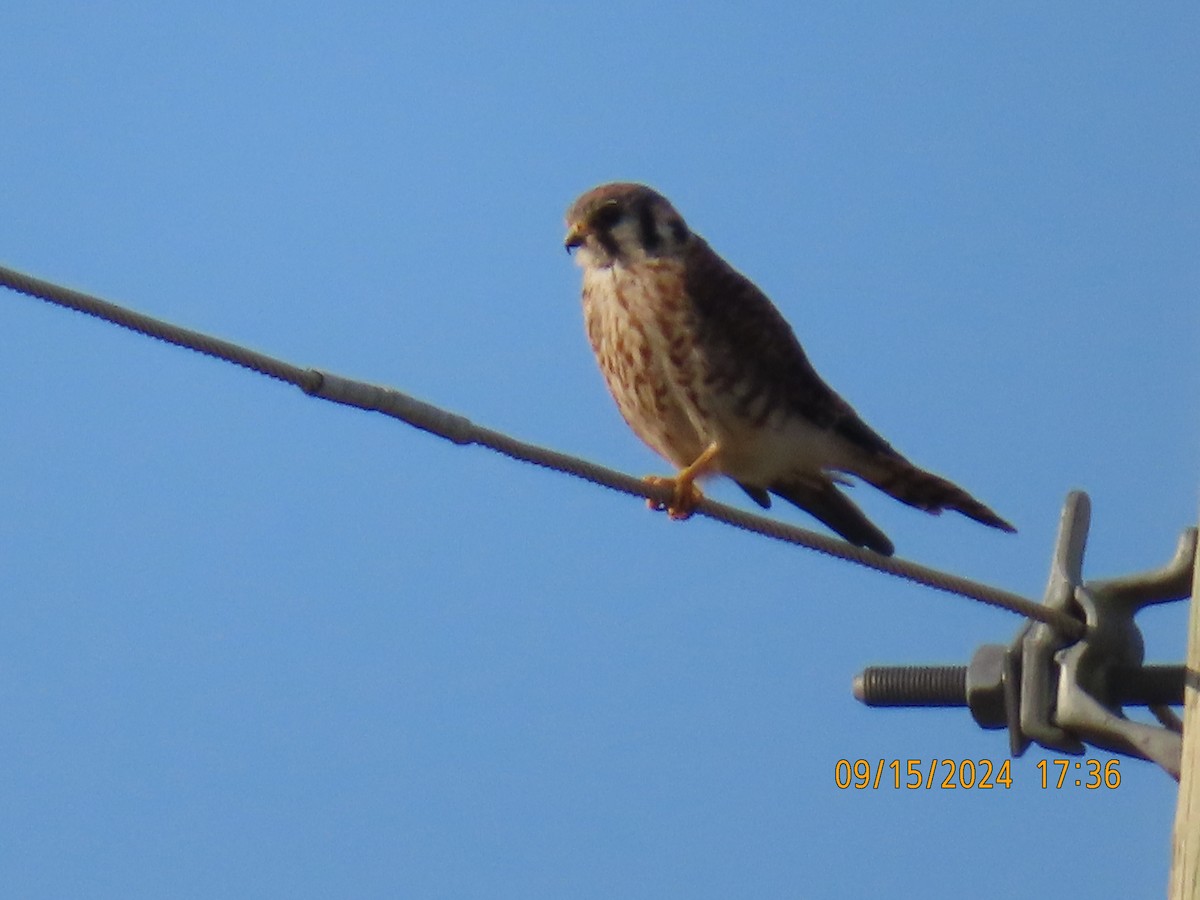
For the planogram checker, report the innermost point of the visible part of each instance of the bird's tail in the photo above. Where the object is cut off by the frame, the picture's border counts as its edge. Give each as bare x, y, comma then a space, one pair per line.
924, 490
823, 500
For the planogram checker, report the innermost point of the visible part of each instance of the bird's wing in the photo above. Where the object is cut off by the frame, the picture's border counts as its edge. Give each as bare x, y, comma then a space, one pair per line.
819, 497
755, 354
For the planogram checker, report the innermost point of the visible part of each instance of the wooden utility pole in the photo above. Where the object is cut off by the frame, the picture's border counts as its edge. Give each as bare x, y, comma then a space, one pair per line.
1185, 855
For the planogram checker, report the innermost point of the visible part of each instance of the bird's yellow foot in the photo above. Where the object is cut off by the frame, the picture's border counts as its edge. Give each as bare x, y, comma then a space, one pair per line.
684, 496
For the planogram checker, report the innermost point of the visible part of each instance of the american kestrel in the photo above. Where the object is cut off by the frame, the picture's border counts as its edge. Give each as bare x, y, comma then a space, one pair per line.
708, 373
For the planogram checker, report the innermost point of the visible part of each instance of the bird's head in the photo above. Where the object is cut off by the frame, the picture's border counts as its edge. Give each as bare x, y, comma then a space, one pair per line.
623, 223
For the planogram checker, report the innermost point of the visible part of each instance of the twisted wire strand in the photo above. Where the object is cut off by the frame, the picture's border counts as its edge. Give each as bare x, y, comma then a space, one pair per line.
463, 431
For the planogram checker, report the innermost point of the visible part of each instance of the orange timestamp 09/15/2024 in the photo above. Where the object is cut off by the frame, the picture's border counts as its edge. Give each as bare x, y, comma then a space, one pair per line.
923, 774
971, 774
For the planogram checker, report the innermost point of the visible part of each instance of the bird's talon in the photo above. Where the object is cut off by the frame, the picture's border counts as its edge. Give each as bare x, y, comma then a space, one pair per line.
685, 496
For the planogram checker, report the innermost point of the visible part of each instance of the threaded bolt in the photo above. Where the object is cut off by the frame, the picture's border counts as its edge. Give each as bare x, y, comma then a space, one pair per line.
912, 686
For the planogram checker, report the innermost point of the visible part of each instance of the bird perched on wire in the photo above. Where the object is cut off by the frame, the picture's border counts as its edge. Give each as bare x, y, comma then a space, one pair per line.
708, 373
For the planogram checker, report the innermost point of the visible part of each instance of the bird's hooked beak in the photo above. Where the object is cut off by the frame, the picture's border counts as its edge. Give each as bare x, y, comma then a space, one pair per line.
575, 236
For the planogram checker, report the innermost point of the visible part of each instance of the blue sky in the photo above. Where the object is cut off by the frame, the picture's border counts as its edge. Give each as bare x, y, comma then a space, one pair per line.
256, 645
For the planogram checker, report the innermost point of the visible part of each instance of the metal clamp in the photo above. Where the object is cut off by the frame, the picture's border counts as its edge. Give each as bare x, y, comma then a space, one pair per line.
1087, 702
1061, 694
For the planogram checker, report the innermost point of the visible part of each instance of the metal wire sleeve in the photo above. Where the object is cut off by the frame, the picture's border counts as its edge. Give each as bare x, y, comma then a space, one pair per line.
463, 431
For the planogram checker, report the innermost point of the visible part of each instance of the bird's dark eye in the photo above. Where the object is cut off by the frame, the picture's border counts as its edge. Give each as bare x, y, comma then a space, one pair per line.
606, 216
678, 230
